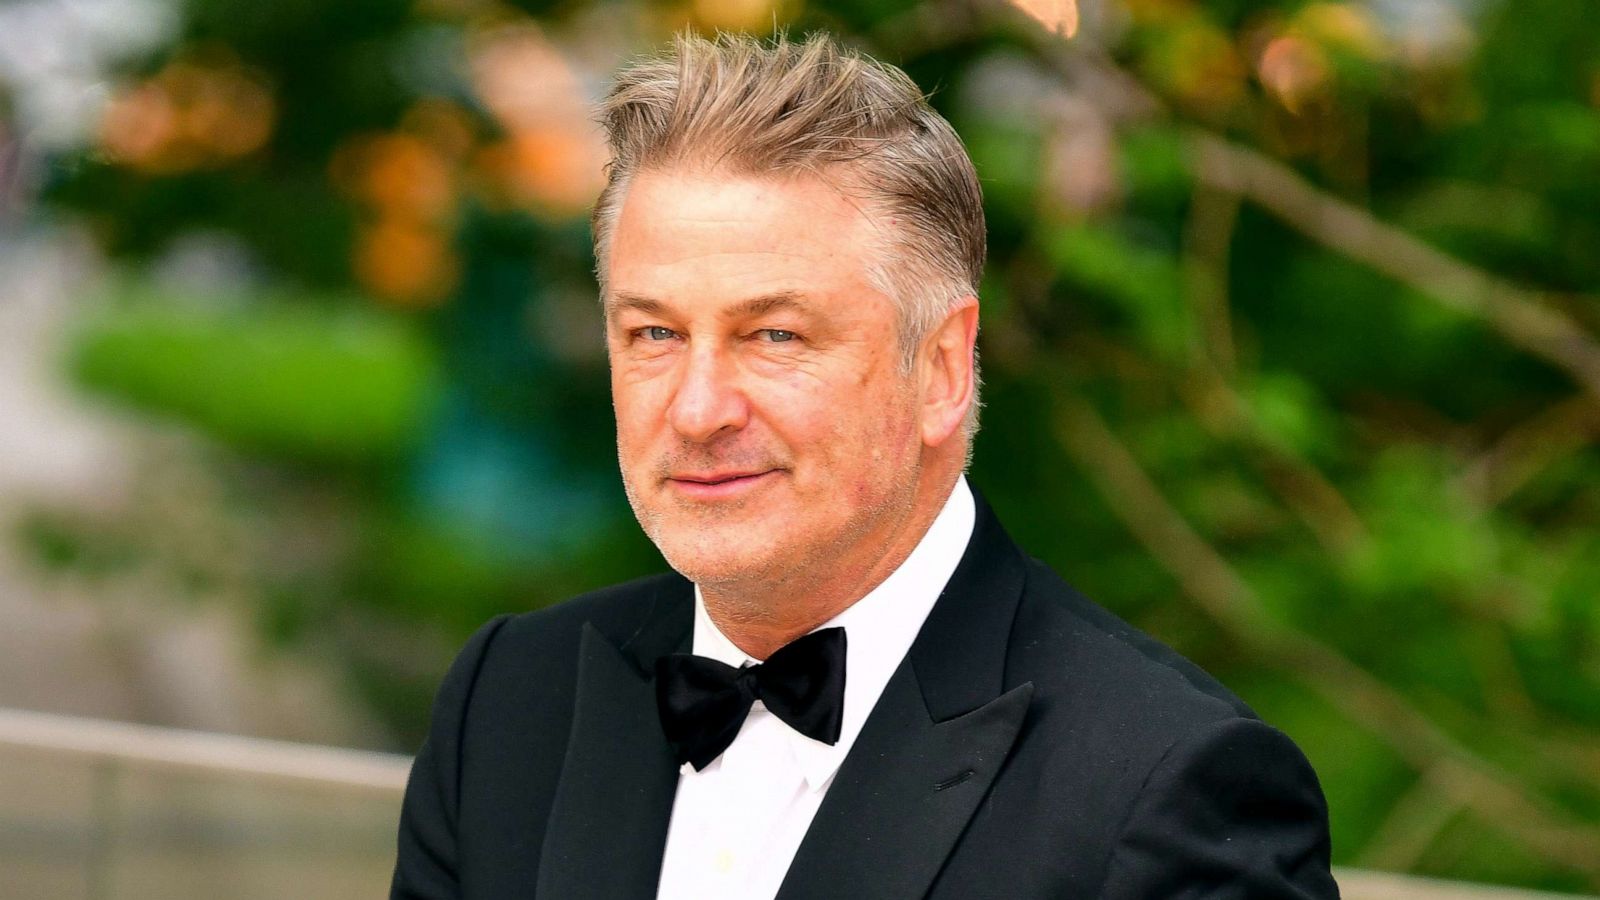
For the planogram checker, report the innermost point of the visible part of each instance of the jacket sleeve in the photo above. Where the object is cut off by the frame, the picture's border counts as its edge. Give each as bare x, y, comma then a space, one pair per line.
1233, 811
426, 864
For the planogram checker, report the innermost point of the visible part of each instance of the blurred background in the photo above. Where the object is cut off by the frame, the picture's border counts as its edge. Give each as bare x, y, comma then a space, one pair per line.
1291, 349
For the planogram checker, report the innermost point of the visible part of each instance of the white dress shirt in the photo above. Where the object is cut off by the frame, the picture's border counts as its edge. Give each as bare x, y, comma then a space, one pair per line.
737, 824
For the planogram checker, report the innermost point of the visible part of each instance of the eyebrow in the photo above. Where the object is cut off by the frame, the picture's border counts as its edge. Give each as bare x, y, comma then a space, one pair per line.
756, 306
753, 306
622, 300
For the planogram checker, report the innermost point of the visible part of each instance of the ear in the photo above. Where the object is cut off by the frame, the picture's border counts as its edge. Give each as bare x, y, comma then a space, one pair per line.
945, 360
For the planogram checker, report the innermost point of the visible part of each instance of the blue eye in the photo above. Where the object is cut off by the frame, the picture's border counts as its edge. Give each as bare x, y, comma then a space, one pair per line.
778, 335
658, 333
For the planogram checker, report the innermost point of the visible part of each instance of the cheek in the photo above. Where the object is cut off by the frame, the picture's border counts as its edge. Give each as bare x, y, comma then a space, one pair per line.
898, 437
635, 403
796, 404
633, 435
873, 434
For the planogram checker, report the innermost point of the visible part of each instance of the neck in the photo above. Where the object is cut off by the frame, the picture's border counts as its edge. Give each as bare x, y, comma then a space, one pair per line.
760, 617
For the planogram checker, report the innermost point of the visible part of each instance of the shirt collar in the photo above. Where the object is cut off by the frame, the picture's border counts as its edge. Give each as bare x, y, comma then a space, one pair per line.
879, 629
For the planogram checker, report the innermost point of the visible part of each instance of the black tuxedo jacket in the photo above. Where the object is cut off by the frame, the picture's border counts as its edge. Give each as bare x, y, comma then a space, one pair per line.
1030, 745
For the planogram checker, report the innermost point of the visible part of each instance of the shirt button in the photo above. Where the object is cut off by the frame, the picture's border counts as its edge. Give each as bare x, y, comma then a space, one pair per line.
724, 862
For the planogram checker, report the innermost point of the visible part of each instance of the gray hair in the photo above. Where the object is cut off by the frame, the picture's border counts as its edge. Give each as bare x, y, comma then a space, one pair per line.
751, 107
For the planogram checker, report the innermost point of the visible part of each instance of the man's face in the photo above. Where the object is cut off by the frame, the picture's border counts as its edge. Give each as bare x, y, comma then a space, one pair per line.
763, 424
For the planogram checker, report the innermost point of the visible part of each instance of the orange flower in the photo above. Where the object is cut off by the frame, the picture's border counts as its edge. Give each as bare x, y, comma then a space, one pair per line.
405, 263
1293, 69
398, 175
1057, 16
192, 114
737, 15
552, 170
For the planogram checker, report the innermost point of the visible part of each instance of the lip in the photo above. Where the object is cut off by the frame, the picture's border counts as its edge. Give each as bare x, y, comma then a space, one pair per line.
719, 485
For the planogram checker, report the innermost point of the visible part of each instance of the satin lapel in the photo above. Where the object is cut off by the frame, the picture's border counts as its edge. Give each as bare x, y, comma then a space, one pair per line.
903, 796
927, 755
608, 822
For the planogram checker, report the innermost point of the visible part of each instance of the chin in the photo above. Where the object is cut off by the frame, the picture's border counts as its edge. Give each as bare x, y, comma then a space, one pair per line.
711, 555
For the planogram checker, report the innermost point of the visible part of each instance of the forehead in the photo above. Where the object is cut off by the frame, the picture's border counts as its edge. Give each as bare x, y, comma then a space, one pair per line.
683, 235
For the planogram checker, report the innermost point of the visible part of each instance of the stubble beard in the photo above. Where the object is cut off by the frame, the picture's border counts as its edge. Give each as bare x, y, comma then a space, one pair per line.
681, 529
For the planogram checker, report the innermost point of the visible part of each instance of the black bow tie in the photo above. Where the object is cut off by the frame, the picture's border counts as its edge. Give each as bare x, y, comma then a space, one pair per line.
703, 702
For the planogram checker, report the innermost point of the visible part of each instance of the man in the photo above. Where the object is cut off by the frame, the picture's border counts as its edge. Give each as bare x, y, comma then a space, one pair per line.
788, 248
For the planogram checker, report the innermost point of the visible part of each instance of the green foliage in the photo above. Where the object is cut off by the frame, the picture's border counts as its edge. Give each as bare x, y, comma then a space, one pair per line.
1140, 284
1290, 415
309, 383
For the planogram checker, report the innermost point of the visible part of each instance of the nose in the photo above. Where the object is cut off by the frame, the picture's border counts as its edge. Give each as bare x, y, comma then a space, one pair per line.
708, 401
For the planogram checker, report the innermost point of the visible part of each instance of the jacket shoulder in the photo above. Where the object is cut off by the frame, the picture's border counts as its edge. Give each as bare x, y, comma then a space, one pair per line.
1151, 742
486, 778
532, 658
515, 659
1086, 659
617, 610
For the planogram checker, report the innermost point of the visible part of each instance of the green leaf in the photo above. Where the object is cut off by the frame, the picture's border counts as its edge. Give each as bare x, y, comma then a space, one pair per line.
301, 381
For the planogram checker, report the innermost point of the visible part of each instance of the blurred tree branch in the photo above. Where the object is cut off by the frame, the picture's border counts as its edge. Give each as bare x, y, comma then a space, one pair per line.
1228, 599
1521, 315
1207, 240
1415, 819
1305, 490
1524, 451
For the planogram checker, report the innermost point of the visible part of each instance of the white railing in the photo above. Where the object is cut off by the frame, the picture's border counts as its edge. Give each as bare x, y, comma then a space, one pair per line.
113, 811
104, 742
1360, 884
